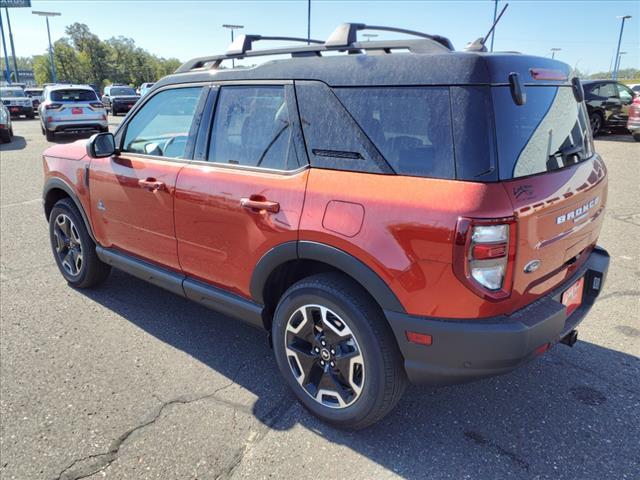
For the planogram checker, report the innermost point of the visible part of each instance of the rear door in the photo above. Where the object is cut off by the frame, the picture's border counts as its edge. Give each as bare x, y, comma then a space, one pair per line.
556, 182
244, 193
132, 193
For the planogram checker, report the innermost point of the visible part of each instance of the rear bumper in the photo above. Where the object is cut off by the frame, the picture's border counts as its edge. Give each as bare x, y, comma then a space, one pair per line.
467, 350
19, 110
77, 125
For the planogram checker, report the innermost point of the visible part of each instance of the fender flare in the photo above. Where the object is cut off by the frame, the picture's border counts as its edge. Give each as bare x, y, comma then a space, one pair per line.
343, 261
58, 183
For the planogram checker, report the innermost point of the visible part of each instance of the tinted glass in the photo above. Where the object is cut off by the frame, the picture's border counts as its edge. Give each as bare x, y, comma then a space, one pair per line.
251, 127
121, 91
161, 127
13, 93
626, 96
607, 90
73, 95
549, 131
411, 127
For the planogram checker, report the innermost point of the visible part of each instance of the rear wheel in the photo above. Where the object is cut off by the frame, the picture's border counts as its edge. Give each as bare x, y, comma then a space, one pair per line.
596, 121
5, 136
336, 351
51, 136
636, 137
73, 248
31, 115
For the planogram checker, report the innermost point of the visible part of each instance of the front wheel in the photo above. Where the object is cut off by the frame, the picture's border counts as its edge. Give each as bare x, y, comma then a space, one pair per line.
336, 351
73, 248
596, 123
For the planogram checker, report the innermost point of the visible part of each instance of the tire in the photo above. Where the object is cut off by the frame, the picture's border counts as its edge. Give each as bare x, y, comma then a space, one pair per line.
51, 136
31, 115
114, 112
73, 249
596, 120
104, 129
636, 137
5, 136
375, 378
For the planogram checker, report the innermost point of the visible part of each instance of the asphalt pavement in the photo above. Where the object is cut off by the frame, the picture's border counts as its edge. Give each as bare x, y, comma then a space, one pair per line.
128, 381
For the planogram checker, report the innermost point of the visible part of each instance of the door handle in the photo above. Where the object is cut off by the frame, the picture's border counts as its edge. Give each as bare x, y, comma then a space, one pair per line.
151, 184
254, 203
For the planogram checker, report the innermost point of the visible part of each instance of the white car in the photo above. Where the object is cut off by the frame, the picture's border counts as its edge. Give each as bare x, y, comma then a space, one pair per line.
17, 101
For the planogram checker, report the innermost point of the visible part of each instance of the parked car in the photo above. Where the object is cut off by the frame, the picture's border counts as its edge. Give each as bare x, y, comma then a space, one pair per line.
633, 123
635, 87
71, 108
144, 88
16, 101
36, 96
607, 103
386, 217
119, 98
6, 129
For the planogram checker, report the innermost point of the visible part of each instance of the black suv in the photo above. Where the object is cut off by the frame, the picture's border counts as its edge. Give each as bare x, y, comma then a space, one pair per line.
607, 103
119, 98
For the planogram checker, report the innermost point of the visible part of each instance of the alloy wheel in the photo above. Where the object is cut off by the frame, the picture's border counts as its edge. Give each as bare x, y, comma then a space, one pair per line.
68, 245
596, 123
324, 356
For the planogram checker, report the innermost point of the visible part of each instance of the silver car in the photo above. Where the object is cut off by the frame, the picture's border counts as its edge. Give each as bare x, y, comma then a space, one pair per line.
6, 129
73, 109
16, 101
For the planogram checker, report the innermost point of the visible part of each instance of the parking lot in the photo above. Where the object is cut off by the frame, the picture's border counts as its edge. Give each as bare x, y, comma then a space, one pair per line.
129, 381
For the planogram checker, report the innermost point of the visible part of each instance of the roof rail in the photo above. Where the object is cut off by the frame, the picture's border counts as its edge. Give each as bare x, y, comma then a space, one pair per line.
243, 43
347, 34
343, 38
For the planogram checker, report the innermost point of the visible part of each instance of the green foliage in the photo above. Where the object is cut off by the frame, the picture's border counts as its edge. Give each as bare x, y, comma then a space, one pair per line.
82, 57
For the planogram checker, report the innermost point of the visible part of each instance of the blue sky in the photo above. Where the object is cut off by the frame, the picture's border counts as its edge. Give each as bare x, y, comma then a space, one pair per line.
586, 31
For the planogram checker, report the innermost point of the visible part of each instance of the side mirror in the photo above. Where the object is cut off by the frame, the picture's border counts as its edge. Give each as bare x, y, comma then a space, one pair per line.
101, 145
578, 91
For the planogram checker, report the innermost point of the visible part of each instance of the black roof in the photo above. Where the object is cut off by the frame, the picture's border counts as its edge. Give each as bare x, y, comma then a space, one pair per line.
343, 61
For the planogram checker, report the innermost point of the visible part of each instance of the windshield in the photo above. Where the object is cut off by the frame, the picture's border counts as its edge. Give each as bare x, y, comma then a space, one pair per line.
73, 95
550, 131
122, 91
13, 93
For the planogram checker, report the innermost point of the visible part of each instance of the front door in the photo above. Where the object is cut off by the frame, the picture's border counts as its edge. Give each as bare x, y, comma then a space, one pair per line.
132, 193
245, 195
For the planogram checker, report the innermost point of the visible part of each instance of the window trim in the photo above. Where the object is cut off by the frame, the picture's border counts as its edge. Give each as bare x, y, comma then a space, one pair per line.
121, 132
203, 141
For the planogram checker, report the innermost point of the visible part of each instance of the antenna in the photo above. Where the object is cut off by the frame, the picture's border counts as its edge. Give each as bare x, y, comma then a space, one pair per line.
478, 45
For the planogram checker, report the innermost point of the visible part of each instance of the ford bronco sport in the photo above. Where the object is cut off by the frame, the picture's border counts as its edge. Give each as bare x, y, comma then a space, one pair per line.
398, 212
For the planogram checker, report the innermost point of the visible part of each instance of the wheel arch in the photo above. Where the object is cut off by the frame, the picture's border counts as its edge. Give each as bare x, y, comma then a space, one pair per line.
56, 189
289, 262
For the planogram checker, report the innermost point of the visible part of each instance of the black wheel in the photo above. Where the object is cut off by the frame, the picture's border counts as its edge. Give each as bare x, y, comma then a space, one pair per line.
73, 248
31, 115
114, 112
51, 136
636, 137
104, 129
596, 123
337, 352
5, 136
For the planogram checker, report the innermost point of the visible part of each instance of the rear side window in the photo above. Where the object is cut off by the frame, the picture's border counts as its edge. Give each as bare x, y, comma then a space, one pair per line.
162, 125
411, 127
550, 131
251, 127
73, 96
607, 90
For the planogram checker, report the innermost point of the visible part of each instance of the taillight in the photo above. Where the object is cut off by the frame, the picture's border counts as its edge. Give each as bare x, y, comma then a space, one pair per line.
96, 105
484, 254
52, 106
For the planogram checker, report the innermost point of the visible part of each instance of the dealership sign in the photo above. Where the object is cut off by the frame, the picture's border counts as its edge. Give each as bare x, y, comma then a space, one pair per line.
15, 3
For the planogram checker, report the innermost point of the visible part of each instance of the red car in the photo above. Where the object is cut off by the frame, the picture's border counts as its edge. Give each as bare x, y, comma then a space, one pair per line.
404, 212
633, 123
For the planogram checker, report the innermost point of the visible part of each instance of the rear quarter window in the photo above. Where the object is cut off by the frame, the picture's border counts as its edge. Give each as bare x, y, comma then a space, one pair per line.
410, 126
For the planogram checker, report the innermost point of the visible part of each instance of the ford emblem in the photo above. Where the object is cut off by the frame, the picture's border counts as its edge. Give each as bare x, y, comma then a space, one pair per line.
532, 266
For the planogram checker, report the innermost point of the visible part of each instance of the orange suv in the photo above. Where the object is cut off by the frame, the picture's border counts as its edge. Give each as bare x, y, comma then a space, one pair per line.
399, 212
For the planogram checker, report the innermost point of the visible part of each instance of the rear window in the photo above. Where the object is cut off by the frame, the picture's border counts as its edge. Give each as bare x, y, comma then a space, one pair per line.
121, 91
411, 127
71, 95
550, 131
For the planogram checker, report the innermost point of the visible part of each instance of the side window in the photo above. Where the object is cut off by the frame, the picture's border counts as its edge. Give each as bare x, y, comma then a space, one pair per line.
161, 127
607, 90
411, 127
251, 127
626, 95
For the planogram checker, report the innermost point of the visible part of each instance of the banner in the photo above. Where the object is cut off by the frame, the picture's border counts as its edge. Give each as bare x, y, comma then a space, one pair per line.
15, 3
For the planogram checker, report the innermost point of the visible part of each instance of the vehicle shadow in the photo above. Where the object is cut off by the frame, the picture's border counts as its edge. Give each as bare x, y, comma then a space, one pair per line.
17, 143
570, 414
616, 136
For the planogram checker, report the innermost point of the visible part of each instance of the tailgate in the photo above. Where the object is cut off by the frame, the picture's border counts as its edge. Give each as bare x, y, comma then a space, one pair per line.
559, 214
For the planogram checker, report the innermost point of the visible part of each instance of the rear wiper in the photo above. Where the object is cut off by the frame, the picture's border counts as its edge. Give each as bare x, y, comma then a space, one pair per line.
565, 154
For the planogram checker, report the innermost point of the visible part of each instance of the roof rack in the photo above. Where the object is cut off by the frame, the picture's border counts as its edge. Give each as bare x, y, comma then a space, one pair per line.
343, 38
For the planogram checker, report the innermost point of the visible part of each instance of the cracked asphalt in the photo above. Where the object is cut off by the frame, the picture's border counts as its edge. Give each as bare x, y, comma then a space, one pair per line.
130, 382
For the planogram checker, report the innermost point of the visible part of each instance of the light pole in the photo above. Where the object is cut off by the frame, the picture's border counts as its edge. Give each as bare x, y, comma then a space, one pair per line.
619, 60
495, 12
369, 36
554, 50
308, 22
232, 28
54, 78
617, 64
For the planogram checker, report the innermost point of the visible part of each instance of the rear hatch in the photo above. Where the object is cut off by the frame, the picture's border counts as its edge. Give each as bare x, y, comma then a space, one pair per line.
75, 105
556, 182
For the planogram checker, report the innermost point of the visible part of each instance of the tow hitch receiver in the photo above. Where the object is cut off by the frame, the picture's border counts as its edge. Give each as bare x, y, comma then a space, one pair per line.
570, 338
